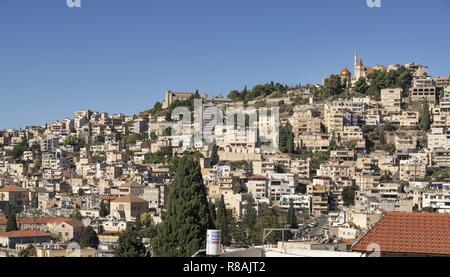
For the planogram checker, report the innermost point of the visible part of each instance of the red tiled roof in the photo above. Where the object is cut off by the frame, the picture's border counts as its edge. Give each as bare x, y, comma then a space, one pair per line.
257, 178
409, 233
23, 234
39, 220
130, 199
13, 188
109, 197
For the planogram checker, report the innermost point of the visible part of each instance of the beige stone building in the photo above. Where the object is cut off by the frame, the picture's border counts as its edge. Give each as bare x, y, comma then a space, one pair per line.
128, 207
313, 142
171, 97
131, 188
423, 94
391, 99
66, 229
409, 119
411, 170
15, 196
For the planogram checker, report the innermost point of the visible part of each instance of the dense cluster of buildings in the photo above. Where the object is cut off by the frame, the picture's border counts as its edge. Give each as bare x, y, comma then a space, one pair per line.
372, 150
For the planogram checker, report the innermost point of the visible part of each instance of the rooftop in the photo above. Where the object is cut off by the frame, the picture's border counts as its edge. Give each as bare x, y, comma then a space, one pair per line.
130, 199
13, 188
23, 234
409, 233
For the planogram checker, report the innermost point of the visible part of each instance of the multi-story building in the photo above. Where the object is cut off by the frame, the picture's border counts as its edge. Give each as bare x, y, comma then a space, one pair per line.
427, 94
409, 119
258, 187
299, 201
391, 99
411, 170
440, 201
320, 200
313, 142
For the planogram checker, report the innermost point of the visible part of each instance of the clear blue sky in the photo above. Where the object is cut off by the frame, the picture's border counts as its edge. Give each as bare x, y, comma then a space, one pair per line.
121, 55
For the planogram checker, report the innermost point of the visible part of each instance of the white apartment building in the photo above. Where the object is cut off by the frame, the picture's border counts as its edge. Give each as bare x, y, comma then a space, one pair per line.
437, 200
258, 187
439, 138
300, 202
281, 184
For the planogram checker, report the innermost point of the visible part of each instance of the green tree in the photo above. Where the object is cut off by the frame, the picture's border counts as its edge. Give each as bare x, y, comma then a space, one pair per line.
168, 131
89, 238
132, 139
348, 195
76, 215
212, 211
351, 144
424, 122
361, 85
129, 244
333, 86
184, 225
161, 156
153, 136
239, 234
98, 158
292, 216
28, 252
290, 142
148, 227
269, 218
103, 209
286, 139
18, 150
11, 223
222, 222
333, 142
250, 214
215, 154
74, 141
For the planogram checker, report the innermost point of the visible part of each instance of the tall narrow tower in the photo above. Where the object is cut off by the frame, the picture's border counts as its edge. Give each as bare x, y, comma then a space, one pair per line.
355, 64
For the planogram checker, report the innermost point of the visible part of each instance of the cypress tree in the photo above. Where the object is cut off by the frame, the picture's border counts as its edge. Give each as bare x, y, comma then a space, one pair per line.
215, 155
290, 143
425, 117
222, 222
187, 219
292, 217
103, 210
250, 215
212, 212
11, 224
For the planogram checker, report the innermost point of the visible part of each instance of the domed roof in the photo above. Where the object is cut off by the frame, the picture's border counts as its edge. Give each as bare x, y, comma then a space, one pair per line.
345, 72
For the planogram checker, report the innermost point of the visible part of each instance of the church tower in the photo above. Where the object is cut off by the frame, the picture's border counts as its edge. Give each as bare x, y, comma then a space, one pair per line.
359, 68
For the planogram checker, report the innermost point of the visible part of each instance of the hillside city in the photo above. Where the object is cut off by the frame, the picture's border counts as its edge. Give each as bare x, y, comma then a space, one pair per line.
320, 170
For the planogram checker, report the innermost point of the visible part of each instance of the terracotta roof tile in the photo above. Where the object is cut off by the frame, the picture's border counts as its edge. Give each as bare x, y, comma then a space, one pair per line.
409, 233
13, 188
23, 234
39, 220
130, 198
